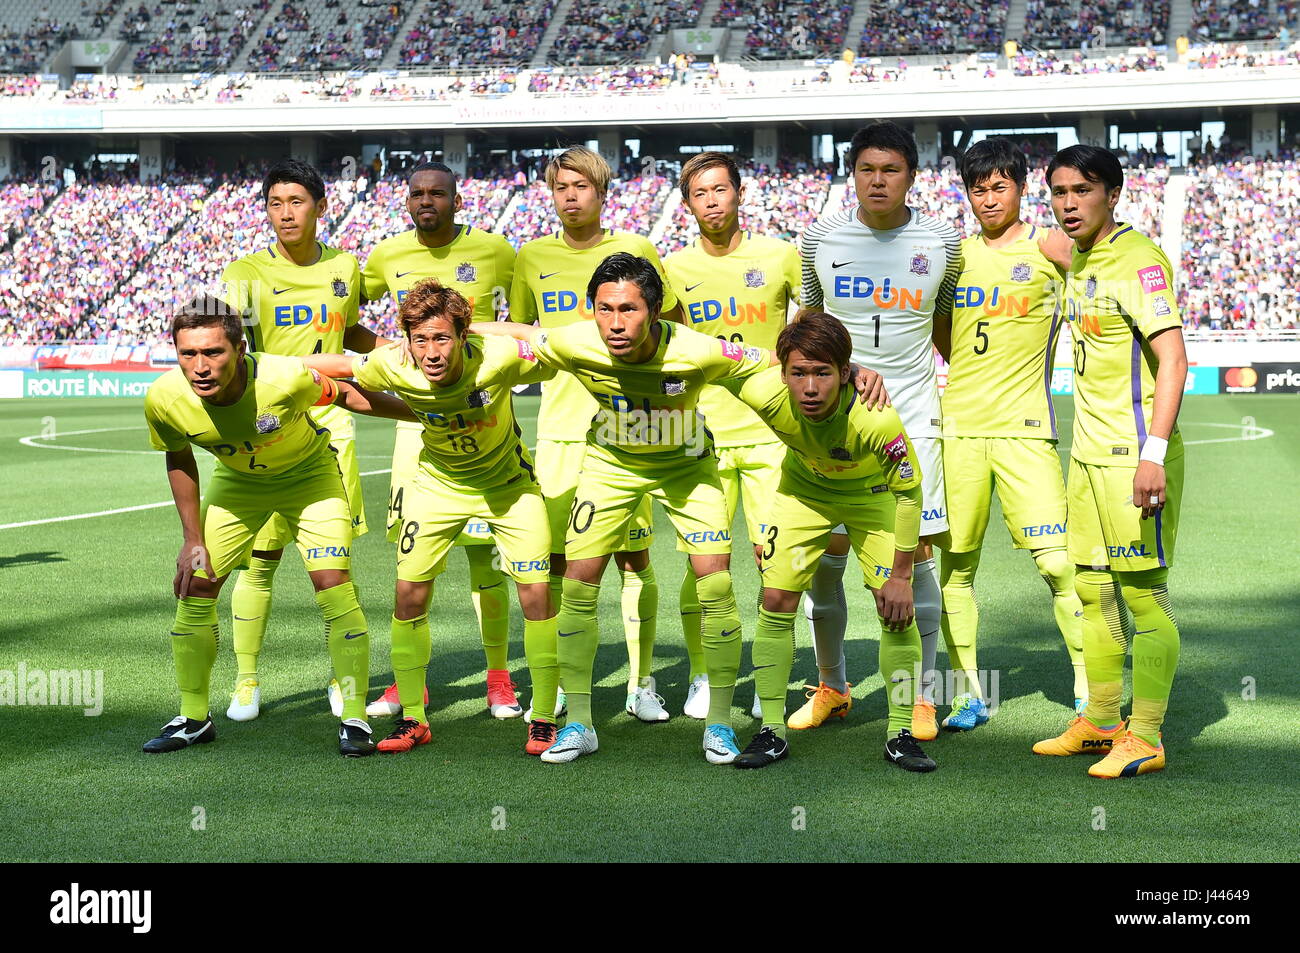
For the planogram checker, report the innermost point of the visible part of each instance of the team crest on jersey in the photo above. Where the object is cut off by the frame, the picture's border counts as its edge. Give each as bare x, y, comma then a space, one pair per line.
1021, 271
340, 288
905, 470
465, 272
674, 386
266, 423
1090, 287
754, 278
478, 398
839, 453
920, 264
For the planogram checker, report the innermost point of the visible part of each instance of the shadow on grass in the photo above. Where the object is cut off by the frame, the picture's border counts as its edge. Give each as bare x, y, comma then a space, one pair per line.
31, 559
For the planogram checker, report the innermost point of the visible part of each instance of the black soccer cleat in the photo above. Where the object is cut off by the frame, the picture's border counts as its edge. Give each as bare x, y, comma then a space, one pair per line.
354, 739
181, 732
767, 748
907, 754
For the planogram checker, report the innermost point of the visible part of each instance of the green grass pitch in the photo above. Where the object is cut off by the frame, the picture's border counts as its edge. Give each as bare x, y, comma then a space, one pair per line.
94, 593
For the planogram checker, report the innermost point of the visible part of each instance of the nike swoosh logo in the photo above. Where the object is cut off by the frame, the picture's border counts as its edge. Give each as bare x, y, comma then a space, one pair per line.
240, 618
841, 264
544, 277
1143, 631
690, 288
635, 619
757, 667
402, 274
493, 586
353, 635
605, 380
725, 633
567, 634
194, 436
278, 291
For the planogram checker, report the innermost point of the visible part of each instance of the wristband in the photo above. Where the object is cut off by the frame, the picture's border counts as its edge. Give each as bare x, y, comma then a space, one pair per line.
1153, 450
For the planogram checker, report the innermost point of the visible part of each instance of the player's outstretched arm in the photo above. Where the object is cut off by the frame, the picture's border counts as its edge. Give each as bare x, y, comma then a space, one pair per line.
183, 476
331, 365
362, 340
510, 329
1171, 377
372, 403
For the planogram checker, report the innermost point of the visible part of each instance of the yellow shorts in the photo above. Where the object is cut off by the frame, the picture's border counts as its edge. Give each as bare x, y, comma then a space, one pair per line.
310, 503
407, 443
800, 526
749, 475
436, 512
275, 534
558, 464
1031, 489
1107, 531
614, 486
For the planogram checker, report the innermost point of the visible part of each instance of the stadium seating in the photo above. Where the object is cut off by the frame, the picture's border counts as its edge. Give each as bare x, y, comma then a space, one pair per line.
933, 26
187, 39
780, 31
1237, 19
780, 204
1234, 55
1055, 24
602, 31
483, 32
1241, 253
30, 34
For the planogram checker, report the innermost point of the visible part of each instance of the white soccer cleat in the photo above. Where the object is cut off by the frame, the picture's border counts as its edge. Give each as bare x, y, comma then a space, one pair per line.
720, 745
561, 707
336, 697
757, 710
697, 698
644, 704
245, 700
574, 740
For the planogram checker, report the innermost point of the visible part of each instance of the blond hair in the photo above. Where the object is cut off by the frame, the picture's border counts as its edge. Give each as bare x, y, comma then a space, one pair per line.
590, 165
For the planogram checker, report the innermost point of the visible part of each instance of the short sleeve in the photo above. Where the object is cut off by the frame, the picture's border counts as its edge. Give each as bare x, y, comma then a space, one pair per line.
764, 393
373, 282
728, 360
523, 308
237, 283
1152, 303
519, 360
371, 371
554, 347
162, 435
309, 387
883, 431
505, 271
354, 299
793, 275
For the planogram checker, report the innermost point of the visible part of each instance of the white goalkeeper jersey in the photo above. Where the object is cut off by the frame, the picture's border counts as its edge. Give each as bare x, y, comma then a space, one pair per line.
886, 287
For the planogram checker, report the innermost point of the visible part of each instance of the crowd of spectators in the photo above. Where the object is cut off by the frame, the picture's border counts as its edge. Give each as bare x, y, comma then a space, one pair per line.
1097, 23
605, 79
784, 29
1235, 20
633, 204
1241, 250
1237, 56
933, 26
188, 37
11, 86
19, 201
455, 33
603, 31
1045, 63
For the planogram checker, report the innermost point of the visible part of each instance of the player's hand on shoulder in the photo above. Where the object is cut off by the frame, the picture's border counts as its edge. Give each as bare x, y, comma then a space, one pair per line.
1057, 247
894, 604
870, 387
1149, 488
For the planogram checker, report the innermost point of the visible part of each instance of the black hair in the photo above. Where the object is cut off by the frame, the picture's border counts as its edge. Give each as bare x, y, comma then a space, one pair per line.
297, 172
1092, 162
432, 167
205, 310
884, 134
818, 337
991, 157
624, 266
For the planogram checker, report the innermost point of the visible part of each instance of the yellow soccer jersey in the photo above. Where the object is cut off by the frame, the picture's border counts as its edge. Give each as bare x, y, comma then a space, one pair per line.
475, 263
263, 434
470, 436
1117, 295
550, 287
1004, 327
649, 409
742, 297
854, 451
300, 309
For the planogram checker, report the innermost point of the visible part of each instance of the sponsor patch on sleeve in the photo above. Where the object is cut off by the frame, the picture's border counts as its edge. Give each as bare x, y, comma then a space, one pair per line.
753, 353
1153, 279
526, 351
1160, 306
896, 449
732, 350
905, 470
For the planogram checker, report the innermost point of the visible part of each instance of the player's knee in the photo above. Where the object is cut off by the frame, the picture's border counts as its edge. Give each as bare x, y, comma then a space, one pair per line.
1054, 566
580, 597
633, 562
715, 591
535, 601
927, 598
782, 600
411, 599
259, 573
1092, 585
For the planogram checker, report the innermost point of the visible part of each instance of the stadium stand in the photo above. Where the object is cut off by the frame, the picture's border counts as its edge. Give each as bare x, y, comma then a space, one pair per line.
1237, 19
777, 203
603, 31
780, 31
318, 35
1239, 56
180, 41
19, 202
30, 35
1056, 24
1241, 253
933, 26
487, 32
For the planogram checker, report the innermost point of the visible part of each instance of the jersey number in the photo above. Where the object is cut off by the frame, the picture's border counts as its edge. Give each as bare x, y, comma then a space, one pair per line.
407, 542
585, 509
983, 347
395, 505
876, 318
462, 443
736, 338
771, 543
1080, 357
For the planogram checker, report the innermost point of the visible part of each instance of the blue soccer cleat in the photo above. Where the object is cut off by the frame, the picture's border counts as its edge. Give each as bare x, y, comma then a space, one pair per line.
968, 713
720, 744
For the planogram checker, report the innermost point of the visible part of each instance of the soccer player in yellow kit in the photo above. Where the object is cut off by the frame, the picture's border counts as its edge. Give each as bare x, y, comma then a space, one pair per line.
999, 427
736, 286
848, 465
300, 297
472, 466
479, 265
550, 288
1126, 463
252, 412
646, 440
